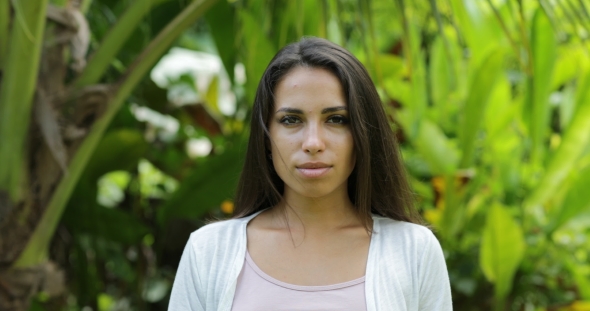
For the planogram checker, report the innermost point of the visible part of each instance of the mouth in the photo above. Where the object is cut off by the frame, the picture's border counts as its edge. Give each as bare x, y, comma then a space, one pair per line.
313, 169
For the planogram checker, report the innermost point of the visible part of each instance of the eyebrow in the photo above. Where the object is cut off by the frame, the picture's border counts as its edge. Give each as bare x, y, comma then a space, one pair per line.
324, 111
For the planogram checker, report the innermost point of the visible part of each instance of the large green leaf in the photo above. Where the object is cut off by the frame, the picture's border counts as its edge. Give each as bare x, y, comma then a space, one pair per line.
500, 111
480, 30
118, 150
537, 109
576, 201
259, 51
211, 182
581, 276
221, 19
419, 99
4, 29
573, 144
441, 74
481, 87
569, 61
502, 249
84, 215
432, 144
311, 19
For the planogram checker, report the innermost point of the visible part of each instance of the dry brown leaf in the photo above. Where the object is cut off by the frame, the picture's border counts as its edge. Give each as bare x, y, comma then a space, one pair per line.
81, 39
47, 121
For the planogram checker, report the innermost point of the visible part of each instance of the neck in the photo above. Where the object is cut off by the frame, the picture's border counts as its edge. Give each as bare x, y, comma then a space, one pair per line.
328, 213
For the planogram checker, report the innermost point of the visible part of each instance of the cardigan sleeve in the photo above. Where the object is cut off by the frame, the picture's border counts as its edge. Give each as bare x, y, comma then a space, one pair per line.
435, 289
186, 292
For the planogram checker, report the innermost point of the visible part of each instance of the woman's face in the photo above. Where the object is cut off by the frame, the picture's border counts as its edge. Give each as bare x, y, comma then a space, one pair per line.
311, 140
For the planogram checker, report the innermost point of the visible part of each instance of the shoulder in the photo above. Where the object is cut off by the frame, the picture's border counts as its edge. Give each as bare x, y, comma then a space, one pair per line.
408, 240
395, 229
217, 234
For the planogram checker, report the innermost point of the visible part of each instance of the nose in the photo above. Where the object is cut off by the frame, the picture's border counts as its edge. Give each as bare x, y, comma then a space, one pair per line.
313, 142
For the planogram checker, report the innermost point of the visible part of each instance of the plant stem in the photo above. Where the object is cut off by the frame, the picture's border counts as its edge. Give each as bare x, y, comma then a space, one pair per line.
19, 78
37, 247
114, 40
4, 29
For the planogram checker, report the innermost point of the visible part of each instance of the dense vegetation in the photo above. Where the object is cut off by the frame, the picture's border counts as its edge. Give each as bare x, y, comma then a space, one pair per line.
106, 169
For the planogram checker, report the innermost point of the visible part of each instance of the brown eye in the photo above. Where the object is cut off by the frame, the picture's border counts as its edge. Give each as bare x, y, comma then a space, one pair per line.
289, 120
338, 119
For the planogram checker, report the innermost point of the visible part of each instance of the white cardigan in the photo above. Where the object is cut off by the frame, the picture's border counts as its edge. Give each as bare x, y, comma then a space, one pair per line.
406, 269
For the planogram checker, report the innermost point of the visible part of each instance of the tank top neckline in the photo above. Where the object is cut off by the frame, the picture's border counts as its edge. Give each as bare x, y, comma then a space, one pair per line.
270, 279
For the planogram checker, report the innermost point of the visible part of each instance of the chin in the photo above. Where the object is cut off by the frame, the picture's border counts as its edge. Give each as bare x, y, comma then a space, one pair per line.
315, 192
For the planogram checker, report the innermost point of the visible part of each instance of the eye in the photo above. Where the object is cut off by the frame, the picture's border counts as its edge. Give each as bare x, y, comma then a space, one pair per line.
289, 120
338, 119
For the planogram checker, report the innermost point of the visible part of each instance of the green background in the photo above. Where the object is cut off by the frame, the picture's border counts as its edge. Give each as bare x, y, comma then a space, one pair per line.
490, 101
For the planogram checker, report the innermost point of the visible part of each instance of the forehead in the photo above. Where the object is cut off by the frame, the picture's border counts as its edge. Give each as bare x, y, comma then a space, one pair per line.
305, 87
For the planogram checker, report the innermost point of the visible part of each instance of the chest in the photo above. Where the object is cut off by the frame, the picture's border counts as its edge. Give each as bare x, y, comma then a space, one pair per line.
312, 262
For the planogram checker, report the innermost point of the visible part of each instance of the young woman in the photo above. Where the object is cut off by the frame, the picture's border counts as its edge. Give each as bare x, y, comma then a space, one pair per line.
324, 214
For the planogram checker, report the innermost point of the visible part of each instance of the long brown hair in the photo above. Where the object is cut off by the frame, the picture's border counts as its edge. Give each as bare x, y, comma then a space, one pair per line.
378, 183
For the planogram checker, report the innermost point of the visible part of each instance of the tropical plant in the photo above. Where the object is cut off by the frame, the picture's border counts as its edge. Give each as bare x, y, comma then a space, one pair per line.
490, 100
54, 112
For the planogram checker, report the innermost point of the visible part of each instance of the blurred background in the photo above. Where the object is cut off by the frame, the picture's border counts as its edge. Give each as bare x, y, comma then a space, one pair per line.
123, 126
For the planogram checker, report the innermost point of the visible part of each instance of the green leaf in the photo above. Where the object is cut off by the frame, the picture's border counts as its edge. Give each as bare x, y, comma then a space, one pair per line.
259, 52
399, 90
577, 200
581, 276
478, 26
312, 18
392, 66
419, 101
481, 87
84, 215
500, 111
118, 150
537, 109
501, 250
572, 147
221, 19
569, 61
440, 73
4, 30
211, 182
433, 145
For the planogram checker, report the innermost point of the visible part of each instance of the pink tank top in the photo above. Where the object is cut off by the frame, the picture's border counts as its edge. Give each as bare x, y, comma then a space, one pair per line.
258, 291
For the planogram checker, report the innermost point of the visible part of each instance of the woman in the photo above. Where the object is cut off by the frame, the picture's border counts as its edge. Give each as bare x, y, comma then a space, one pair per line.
324, 215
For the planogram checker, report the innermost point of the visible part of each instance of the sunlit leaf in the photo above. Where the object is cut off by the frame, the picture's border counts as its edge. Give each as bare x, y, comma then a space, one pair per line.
482, 85
572, 146
577, 200
433, 146
502, 249
537, 109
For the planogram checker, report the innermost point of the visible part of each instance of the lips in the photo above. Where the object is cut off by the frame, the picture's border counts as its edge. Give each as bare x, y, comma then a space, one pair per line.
313, 169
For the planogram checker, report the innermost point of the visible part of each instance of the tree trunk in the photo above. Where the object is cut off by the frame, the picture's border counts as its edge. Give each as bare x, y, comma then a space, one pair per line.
67, 118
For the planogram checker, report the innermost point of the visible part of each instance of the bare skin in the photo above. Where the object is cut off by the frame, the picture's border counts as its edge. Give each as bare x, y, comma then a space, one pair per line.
313, 236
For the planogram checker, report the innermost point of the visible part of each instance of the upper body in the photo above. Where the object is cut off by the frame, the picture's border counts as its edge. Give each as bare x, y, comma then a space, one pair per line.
322, 162
405, 271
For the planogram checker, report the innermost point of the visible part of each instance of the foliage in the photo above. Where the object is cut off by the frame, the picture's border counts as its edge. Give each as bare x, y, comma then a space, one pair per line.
490, 99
